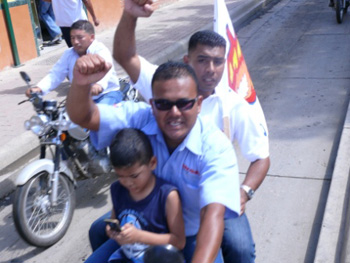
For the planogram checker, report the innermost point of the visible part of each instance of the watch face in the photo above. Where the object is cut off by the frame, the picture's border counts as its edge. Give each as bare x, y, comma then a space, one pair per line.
250, 193
248, 190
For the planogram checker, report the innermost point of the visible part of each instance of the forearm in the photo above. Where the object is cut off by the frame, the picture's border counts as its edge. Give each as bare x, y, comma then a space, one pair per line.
124, 47
90, 8
256, 173
152, 239
80, 106
210, 233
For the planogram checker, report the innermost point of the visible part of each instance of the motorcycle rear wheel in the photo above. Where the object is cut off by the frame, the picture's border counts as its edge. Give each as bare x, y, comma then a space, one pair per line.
38, 221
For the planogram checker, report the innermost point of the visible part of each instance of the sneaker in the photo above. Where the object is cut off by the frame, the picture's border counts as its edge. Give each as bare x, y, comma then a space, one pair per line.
57, 38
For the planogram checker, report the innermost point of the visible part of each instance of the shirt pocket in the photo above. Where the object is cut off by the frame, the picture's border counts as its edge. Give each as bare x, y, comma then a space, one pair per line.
191, 178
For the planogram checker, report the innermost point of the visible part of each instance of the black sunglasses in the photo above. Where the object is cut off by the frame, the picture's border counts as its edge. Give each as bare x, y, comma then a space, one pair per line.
181, 104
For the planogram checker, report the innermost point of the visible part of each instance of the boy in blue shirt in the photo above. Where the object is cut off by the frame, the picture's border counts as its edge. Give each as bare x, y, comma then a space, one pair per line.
148, 208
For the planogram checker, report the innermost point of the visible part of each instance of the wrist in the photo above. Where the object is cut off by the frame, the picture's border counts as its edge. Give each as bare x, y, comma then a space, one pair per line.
248, 190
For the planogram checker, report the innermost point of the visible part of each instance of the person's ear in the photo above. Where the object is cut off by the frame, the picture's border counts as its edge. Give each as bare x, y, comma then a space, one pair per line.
186, 59
153, 163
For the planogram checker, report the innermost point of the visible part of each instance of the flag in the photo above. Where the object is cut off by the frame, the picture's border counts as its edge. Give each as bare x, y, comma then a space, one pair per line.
236, 76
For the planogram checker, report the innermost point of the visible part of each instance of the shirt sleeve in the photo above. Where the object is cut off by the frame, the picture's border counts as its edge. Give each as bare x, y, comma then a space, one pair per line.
250, 134
57, 74
144, 82
113, 118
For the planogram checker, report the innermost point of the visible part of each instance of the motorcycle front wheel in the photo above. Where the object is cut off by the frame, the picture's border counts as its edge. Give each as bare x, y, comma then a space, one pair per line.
37, 220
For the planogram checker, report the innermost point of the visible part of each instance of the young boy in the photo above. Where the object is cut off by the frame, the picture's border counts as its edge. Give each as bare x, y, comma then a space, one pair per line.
147, 207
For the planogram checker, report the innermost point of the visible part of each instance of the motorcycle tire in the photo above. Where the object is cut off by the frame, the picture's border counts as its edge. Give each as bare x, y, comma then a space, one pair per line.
37, 221
339, 10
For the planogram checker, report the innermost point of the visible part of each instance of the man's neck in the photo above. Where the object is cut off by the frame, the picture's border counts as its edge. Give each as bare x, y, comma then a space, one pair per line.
206, 94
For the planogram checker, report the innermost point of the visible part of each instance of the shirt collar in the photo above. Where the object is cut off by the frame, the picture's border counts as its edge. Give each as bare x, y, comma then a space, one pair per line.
91, 47
193, 141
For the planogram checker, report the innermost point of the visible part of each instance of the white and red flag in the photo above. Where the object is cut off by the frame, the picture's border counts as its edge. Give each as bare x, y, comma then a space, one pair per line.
236, 75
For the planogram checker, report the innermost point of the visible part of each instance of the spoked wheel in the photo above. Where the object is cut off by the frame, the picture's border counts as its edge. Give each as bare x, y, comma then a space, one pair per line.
37, 220
339, 10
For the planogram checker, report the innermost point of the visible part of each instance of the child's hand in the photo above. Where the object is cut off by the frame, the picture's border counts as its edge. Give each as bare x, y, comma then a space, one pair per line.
110, 232
129, 235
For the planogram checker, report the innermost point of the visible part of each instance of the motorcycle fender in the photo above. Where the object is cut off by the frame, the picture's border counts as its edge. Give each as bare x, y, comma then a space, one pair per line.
41, 165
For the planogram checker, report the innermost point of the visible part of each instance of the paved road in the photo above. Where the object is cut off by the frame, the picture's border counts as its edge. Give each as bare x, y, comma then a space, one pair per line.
297, 57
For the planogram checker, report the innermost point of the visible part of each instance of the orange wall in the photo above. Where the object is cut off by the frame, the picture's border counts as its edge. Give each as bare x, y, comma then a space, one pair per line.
109, 12
6, 58
24, 36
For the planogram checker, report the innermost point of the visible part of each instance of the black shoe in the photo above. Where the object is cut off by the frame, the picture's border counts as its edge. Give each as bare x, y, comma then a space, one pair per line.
331, 4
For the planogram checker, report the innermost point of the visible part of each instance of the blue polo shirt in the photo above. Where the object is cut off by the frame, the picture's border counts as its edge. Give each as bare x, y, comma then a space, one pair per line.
203, 167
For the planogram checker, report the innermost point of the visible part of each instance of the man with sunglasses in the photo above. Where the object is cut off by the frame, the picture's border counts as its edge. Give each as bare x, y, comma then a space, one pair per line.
192, 154
230, 112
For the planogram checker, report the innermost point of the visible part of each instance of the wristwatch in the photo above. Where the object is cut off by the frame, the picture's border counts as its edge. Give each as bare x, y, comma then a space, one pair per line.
249, 191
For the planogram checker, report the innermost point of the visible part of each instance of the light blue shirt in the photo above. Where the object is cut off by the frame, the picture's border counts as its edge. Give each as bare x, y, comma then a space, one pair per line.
203, 167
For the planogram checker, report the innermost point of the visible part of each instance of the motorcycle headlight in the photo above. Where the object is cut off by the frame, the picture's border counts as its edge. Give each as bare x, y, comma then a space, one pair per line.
63, 125
37, 124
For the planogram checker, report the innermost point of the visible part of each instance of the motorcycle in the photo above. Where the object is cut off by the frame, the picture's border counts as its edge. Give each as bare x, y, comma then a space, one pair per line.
44, 199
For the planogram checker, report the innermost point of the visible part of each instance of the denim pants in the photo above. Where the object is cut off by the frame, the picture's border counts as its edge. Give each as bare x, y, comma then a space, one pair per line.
237, 245
110, 98
47, 16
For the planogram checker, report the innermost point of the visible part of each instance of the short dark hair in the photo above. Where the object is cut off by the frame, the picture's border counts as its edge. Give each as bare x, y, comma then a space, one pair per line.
83, 25
206, 38
130, 146
174, 70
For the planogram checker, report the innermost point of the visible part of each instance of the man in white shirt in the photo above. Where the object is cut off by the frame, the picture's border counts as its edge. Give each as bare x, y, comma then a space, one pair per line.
106, 90
206, 55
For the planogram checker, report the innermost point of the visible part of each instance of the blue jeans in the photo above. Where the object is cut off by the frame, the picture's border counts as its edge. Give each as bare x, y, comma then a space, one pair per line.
237, 244
101, 245
110, 98
47, 16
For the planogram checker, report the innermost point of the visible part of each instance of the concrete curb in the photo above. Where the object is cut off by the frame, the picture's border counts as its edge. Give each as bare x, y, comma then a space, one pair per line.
331, 244
17, 148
